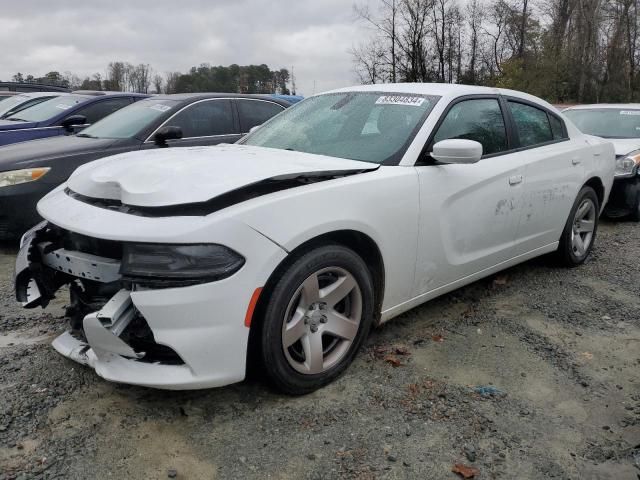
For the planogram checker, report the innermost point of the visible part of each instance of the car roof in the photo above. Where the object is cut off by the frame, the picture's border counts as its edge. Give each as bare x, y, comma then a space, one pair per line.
205, 95
41, 94
448, 91
597, 106
102, 93
89, 96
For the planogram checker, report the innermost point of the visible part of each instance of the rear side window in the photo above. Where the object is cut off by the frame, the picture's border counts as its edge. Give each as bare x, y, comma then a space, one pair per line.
98, 110
557, 128
532, 124
480, 120
256, 112
205, 119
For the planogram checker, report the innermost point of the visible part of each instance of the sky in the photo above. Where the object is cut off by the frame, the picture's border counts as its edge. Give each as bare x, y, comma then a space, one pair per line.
312, 36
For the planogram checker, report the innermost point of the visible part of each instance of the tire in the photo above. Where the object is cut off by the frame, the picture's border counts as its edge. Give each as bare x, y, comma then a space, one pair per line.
635, 214
579, 233
300, 315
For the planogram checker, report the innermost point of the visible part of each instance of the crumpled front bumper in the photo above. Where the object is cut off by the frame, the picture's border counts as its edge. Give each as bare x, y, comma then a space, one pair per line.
624, 197
203, 324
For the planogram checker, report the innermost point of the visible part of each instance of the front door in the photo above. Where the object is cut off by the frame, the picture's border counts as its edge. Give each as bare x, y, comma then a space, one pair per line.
206, 122
469, 213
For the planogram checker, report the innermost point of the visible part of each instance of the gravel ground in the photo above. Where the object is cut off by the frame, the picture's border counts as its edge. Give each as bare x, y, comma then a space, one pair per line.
561, 349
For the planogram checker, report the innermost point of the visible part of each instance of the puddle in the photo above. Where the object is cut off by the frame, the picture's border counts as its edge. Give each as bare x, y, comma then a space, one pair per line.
12, 338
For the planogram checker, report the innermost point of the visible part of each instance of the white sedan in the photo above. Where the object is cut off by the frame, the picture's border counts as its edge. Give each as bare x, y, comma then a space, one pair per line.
620, 124
336, 215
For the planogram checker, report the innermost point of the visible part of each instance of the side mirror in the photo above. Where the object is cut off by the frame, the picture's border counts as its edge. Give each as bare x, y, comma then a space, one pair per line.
457, 151
73, 122
254, 128
167, 133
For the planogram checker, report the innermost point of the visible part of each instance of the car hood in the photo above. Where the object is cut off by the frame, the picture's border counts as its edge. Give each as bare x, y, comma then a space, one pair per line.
9, 125
180, 176
40, 152
625, 146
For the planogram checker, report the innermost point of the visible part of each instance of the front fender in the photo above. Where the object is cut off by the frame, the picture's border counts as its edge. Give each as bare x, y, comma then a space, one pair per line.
382, 204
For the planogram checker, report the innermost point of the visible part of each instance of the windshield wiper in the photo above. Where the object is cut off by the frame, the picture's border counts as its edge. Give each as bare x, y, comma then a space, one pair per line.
15, 119
85, 135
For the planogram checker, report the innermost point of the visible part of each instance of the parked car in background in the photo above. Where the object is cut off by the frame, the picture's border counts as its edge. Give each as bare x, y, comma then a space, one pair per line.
342, 212
62, 115
288, 98
22, 101
17, 87
29, 170
619, 123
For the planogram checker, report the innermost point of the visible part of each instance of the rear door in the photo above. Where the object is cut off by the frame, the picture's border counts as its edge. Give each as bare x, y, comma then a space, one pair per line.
469, 213
253, 112
553, 170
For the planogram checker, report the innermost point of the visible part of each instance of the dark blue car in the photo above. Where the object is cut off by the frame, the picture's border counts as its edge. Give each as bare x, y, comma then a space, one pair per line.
62, 115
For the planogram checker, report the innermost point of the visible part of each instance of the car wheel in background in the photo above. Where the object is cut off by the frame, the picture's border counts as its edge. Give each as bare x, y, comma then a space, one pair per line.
635, 214
316, 318
579, 233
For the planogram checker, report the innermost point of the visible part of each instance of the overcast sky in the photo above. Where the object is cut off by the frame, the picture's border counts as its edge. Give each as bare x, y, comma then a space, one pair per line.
313, 36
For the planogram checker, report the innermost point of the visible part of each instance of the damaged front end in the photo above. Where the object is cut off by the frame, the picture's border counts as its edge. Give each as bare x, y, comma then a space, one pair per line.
103, 319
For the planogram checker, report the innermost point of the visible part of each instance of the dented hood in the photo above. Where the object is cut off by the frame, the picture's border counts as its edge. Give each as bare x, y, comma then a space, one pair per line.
176, 176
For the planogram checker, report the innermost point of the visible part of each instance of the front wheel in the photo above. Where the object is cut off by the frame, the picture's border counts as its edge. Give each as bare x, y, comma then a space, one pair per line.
580, 230
318, 314
635, 214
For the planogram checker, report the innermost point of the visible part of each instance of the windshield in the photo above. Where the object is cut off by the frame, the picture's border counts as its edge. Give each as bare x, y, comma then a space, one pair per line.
49, 109
369, 126
130, 120
9, 103
607, 122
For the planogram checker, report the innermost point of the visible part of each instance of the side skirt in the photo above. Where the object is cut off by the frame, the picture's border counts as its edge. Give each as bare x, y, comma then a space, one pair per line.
424, 297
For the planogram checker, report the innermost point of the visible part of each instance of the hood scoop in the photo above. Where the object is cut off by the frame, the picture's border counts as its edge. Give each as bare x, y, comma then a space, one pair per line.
200, 181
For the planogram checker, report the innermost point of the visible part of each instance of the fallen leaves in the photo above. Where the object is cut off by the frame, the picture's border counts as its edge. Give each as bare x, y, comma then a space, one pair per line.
393, 360
465, 471
391, 354
437, 338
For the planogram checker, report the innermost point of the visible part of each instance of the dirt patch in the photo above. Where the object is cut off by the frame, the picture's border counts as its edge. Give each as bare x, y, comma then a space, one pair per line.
534, 373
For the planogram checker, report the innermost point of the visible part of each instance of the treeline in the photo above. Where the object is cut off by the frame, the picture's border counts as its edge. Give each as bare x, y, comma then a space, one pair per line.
141, 78
562, 50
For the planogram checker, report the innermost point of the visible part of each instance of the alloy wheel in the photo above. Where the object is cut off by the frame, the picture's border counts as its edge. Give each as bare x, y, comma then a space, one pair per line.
322, 320
583, 227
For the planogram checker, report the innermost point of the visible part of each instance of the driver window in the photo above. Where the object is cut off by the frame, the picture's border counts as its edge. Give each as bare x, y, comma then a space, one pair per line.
480, 120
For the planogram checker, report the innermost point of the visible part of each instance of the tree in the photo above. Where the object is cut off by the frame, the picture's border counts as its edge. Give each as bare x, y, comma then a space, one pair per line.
563, 50
158, 82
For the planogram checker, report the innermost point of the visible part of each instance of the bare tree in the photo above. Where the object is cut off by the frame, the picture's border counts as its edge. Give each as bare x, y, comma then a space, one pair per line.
171, 82
158, 82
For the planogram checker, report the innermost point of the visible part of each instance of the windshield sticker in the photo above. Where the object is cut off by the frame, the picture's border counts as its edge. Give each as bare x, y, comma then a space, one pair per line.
62, 106
629, 112
400, 100
160, 107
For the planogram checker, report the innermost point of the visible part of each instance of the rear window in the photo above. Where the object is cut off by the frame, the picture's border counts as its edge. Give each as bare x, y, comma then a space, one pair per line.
256, 112
532, 124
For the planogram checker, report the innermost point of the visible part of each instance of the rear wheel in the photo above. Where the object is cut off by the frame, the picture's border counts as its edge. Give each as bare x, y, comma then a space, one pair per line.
580, 230
316, 319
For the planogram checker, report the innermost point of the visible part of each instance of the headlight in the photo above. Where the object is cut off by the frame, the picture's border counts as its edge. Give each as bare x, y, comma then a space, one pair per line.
179, 262
15, 177
628, 165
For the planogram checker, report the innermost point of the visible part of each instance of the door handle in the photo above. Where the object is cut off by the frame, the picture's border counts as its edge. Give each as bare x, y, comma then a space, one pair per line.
515, 179
575, 161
